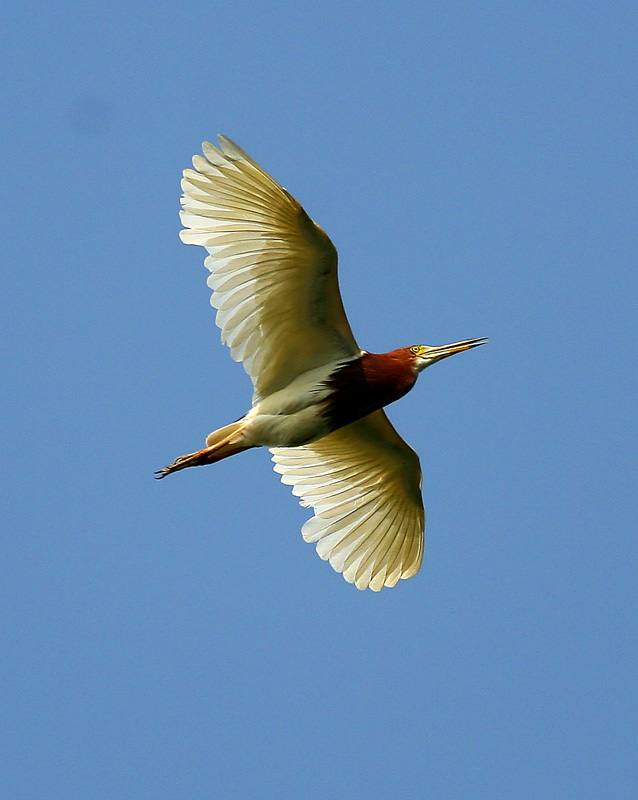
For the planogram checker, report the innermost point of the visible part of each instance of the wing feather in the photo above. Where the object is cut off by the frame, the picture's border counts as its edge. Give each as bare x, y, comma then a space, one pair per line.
364, 483
273, 270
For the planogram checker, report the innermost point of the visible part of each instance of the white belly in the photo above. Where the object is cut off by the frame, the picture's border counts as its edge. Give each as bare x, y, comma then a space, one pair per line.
292, 416
286, 430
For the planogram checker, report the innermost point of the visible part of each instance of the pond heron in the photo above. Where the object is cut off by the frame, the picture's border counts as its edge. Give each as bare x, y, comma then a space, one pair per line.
318, 397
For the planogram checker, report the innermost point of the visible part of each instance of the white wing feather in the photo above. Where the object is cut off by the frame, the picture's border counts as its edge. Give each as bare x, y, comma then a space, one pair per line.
364, 483
273, 270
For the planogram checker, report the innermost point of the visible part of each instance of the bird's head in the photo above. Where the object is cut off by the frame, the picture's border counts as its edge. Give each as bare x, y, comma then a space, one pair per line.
423, 356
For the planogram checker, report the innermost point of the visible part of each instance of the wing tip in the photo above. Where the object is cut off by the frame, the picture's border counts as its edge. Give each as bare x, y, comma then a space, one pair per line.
233, 151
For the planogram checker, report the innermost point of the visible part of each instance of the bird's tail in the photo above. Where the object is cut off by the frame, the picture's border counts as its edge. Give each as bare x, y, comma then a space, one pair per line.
222, 443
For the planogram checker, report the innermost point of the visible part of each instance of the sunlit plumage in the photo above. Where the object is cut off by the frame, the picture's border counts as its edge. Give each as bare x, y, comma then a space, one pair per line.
318, 397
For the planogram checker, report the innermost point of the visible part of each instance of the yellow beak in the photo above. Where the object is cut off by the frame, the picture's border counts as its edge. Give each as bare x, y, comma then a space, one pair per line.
445, 350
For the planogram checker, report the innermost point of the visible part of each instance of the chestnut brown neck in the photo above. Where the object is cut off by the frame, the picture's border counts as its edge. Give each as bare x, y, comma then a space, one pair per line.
368, 383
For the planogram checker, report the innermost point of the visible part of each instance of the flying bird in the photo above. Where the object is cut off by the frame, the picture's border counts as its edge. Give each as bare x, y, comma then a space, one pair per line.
318, 397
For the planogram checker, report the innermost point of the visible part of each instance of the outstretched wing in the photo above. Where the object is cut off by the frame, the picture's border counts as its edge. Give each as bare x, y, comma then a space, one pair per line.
273, 271
364, 484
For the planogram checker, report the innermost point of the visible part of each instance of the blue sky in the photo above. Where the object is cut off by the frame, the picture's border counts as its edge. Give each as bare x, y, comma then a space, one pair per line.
475, 165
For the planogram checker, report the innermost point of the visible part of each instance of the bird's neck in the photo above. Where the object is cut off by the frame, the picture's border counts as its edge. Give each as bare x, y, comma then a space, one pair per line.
367, 383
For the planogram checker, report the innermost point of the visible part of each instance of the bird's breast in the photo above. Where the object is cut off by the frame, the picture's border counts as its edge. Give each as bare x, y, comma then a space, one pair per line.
363, 385
322, 400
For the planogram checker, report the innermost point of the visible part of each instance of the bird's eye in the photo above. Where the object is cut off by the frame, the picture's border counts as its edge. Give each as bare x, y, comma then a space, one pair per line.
414, 350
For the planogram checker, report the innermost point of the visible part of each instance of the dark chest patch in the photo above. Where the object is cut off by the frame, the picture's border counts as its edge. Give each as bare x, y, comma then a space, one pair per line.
366, 384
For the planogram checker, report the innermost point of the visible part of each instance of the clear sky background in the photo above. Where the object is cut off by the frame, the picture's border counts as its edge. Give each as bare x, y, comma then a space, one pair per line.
475, 165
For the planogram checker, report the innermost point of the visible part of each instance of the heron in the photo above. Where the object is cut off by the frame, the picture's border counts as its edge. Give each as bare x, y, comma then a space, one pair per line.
318, 397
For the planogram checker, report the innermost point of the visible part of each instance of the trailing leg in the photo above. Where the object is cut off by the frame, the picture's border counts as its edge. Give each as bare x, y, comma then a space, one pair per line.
221, 443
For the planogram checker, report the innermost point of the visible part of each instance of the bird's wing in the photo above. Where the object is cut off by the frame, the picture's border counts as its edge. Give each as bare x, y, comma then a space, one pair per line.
364, 484
273, 271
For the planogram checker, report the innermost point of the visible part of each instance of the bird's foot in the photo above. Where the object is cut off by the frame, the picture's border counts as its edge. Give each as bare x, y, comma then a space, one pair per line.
205, 456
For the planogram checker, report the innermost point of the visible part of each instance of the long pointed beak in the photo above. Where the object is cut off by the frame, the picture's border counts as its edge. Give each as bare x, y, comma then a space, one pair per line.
445, 350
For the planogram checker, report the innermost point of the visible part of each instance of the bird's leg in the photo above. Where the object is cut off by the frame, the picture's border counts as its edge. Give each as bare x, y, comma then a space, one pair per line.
196, 459
209, 455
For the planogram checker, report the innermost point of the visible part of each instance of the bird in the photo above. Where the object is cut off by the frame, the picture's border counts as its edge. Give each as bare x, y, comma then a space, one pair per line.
319, 398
